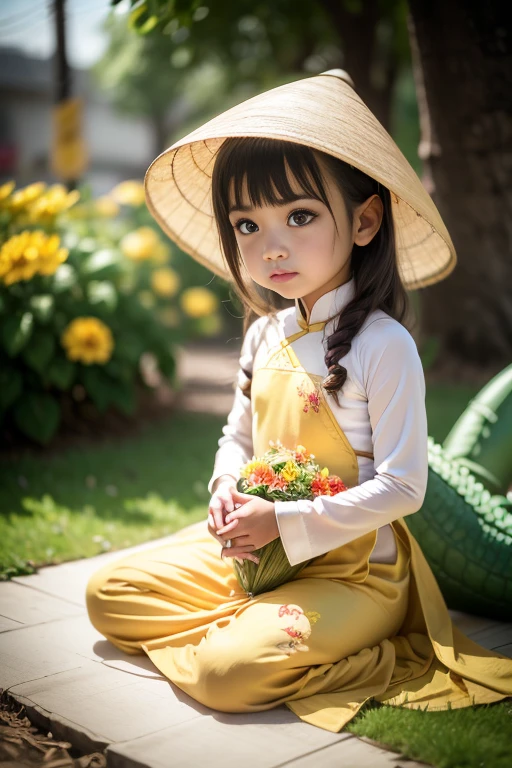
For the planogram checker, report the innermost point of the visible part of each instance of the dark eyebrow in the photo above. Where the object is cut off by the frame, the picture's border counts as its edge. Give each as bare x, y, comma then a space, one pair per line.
247, 208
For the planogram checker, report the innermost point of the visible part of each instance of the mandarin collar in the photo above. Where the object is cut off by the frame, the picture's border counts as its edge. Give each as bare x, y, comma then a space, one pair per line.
331, 303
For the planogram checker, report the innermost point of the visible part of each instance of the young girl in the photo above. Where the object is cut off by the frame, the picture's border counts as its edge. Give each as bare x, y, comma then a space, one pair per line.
300, 195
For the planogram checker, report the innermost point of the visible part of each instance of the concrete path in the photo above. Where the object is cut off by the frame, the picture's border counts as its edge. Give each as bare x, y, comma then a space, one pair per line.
76, 684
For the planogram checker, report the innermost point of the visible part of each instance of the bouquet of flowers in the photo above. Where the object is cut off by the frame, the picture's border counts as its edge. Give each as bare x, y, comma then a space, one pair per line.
280, 474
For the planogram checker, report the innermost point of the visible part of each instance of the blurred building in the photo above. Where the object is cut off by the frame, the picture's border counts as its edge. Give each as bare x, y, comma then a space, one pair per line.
119, 146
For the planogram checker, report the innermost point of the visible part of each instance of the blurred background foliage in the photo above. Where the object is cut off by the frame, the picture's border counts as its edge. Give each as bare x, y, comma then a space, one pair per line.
93, 301
203, 60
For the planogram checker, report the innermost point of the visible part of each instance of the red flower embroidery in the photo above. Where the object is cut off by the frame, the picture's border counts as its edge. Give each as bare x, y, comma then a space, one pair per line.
311, 399
299, 628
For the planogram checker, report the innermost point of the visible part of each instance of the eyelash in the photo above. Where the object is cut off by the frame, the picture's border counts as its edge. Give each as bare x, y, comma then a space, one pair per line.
293, 213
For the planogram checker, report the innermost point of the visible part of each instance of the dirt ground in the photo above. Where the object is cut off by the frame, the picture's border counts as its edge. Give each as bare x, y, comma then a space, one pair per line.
22, 745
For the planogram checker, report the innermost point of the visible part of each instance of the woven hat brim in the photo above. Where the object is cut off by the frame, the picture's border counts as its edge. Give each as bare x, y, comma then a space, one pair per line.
322, 112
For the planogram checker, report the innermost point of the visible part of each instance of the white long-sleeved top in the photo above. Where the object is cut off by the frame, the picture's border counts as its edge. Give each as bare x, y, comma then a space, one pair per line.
381, 411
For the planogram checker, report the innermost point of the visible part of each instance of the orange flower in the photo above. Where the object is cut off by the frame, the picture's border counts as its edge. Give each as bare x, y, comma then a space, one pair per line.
301, 454
261, 475
278, 484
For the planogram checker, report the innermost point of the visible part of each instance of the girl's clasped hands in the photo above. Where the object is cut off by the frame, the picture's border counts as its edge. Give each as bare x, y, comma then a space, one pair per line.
252, 519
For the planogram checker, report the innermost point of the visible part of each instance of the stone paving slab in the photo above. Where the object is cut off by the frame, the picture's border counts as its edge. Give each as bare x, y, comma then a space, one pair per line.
87, 691
22, 659
24, 605
495, 636
8, 624
260, 740
107, 703
75, 635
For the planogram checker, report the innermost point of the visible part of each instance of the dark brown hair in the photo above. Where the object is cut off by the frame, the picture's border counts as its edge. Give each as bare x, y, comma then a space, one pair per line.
262, 163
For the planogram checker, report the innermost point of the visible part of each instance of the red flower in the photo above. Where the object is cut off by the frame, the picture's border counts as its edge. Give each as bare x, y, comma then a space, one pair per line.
320, 486
336, 485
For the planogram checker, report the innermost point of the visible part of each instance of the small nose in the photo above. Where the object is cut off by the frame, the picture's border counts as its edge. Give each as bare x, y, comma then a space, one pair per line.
275, 252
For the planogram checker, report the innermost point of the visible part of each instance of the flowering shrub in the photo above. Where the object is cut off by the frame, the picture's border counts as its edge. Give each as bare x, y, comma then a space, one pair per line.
87, 293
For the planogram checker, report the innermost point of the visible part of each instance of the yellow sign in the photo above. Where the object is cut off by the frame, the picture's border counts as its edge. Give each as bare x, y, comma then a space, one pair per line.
69, 157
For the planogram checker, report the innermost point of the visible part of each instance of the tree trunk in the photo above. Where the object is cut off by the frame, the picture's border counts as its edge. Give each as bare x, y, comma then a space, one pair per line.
373, 68
463, 69
160, 133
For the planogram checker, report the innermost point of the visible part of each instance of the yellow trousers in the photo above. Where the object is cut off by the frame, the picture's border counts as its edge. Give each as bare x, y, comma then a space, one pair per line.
321, 645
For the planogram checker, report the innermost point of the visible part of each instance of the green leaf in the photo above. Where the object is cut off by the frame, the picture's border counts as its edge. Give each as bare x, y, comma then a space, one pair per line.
141, 20
129, 347
124, 397
102, 293
40, 350
42, 307
61, 373
102, 264
98, 386
167, 365
120, 369
3, 305
16, 332
37, 414
11, 385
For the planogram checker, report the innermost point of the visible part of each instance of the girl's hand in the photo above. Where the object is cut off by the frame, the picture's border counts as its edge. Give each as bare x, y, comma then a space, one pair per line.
254, 522
222, 503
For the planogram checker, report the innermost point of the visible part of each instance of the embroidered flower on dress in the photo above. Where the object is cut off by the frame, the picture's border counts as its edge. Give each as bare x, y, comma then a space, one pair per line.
297, 627
311, 399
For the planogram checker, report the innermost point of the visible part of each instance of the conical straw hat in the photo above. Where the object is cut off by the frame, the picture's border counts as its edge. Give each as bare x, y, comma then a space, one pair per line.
325, 113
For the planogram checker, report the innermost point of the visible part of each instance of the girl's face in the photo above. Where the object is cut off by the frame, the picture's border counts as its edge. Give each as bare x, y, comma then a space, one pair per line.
295, 249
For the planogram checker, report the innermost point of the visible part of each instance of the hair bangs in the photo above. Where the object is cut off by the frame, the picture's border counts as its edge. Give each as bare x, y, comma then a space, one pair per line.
257, 167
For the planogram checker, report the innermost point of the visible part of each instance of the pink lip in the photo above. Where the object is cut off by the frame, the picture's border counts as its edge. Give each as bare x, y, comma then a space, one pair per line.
282, 277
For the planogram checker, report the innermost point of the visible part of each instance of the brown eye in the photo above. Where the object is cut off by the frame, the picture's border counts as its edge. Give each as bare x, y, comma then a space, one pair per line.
302, 217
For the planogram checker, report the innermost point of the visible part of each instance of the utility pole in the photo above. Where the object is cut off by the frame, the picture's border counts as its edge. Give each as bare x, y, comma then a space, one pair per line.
69, 154
63, 75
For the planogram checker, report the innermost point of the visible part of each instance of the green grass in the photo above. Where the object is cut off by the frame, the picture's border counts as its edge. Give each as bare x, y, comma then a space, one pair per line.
473, 737
90, 500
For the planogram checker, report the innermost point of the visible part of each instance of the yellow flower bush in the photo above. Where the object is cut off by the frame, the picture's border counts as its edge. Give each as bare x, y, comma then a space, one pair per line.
170, 317
161, 254
147, 299
106, 207
5, 192
23, 198
210, 326
140, 244
28, 254
54, 201
165, 282
44, 285
198, 302
129, 193
88, 340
